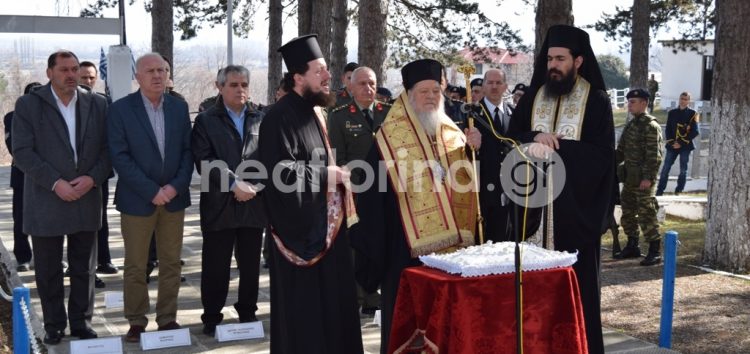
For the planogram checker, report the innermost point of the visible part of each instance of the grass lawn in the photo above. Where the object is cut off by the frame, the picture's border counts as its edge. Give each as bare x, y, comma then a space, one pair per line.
620, 116
691, 236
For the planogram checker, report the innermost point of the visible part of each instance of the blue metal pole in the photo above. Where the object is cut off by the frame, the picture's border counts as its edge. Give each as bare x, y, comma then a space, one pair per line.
21, 341
667, 290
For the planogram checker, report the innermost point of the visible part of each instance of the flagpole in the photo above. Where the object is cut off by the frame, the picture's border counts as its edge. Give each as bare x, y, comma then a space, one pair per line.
123, 38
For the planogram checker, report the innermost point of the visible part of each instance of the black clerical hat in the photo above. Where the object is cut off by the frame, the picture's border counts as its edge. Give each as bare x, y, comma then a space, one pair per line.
477, 82
569, 37
638, 93
301, 50
418, 70
350, 66
519, 87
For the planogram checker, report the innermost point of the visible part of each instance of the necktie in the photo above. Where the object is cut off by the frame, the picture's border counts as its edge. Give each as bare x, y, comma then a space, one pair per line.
498, 118
368, 116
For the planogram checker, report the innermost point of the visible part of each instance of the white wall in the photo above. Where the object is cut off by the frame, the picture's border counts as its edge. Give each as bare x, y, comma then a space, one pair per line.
681, 71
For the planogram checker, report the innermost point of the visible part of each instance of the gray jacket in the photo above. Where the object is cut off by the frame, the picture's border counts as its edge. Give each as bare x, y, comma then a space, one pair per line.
42, 150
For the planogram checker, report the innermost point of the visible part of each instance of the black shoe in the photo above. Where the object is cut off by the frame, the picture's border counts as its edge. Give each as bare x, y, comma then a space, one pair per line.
209, 329
631, 250
182, 262
182, 279
53, 337
83, 333
370, 311
653, 257
23, 267
98, 283
107, 268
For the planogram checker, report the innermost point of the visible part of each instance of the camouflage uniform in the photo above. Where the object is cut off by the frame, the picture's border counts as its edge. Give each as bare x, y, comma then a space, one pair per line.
638, 157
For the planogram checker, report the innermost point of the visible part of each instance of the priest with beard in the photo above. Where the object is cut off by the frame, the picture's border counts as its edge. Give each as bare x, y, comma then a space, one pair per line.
313, 295
567, 110
420, 198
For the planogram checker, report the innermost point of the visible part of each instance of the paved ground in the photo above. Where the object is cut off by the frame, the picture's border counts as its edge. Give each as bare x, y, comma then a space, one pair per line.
110, 322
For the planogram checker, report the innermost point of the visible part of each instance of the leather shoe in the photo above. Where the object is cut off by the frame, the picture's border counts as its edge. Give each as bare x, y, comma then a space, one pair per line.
98, 283
23, 267
170, 326
107, 268
209, 329
53, 337
134, 333
83, 333
369, 310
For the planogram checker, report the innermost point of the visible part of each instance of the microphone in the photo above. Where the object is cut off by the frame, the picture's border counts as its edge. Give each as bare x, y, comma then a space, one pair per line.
471, 107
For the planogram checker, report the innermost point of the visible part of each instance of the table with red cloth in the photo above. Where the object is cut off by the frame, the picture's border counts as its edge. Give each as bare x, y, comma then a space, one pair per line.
437, 312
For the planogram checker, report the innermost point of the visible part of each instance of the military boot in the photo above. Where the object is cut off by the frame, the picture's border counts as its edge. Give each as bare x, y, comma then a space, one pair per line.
653, 256
631, 250
616, 247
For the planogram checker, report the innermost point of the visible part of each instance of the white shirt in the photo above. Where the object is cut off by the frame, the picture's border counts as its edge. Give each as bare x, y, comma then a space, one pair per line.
504, 116
69, 115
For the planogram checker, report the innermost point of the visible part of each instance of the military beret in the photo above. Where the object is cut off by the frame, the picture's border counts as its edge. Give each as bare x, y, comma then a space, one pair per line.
519, 87
384, 92
638, 93
350, 67
477, 82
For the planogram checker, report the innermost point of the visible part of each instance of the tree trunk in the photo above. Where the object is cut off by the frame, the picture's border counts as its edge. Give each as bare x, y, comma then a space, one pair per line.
321, 24
304, 17
639, 44
373, 38
275, 30
338, 42
727, 243
549, 13
162, 23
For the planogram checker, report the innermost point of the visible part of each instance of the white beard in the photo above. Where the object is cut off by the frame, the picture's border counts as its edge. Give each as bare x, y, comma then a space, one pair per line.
430, 120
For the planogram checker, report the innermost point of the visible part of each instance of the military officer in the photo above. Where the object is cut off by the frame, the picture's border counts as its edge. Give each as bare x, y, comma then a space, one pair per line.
344, 95
638, 156
351, 129
351, 126
476, 90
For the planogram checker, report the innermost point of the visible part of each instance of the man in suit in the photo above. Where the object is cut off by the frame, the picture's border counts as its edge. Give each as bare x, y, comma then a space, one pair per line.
60, 143
351, 128
232, 218
494, 119
149, 141
21, 246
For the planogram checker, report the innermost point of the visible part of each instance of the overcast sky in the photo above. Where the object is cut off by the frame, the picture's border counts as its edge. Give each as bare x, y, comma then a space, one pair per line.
514, 12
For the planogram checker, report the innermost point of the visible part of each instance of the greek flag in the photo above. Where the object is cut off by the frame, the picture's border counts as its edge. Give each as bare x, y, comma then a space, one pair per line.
103, 66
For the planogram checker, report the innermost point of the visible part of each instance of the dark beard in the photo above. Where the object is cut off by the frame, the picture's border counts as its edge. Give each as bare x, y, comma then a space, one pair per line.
562, 87
319, 98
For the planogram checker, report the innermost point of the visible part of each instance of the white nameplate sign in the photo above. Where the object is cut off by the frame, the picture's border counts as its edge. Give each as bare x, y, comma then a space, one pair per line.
109, 345
113, 299
165, 339
239, 331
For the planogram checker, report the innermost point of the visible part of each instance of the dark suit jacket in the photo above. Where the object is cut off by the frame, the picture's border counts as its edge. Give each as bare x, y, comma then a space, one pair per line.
16, 176
490, 156
136, 158
42, 150
216, 139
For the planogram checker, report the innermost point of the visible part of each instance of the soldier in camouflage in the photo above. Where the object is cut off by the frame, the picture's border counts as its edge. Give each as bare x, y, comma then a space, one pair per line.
638, 156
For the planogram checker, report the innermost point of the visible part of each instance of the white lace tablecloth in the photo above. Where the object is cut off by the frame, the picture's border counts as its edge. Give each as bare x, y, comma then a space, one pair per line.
497, 258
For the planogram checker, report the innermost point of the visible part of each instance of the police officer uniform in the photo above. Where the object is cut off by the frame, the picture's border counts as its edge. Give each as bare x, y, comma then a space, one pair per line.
638, 156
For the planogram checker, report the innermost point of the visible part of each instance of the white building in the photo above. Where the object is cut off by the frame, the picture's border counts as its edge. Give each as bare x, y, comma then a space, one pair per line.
688, 70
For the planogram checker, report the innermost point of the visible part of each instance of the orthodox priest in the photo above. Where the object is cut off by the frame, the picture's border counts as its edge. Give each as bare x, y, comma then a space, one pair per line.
566, 109
410, 210
313, 294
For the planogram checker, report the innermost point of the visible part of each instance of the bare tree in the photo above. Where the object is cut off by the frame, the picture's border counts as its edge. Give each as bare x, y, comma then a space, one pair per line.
162, 37
548, 14
275, 30
338, 41
639, 44
373, 41
727, 243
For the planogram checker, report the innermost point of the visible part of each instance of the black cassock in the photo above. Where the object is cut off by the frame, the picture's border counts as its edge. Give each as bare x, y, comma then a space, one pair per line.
380, 243
581, 211
314, 308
